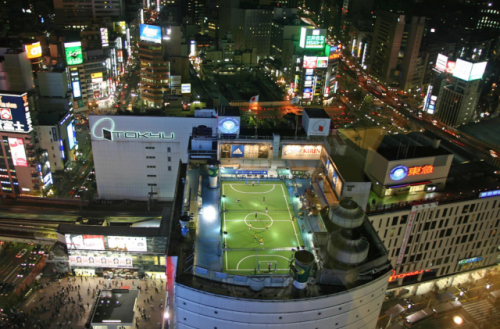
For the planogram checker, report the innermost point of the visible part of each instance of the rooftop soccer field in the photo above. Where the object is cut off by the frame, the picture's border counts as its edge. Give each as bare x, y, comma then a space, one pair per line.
245, 222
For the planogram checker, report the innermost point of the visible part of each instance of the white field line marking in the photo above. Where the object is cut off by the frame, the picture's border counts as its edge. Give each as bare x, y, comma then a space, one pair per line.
296, 236
224, 219
237, 266
251, 192
274, 220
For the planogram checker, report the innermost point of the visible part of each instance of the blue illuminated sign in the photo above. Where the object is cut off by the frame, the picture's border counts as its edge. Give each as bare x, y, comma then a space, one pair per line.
150, 33
71, 136
15, 115
229, 125
399, 172
243, 172
489, 194
237, 151
469, 260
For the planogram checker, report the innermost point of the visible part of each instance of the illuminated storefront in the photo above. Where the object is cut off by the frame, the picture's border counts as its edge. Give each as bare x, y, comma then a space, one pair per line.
122, 251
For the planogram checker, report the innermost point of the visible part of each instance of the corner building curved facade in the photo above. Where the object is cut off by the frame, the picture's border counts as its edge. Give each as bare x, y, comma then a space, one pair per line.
358, 307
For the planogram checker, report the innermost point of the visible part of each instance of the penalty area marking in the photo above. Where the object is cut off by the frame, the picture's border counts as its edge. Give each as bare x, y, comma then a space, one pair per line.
251, 192
238, 266
245, 219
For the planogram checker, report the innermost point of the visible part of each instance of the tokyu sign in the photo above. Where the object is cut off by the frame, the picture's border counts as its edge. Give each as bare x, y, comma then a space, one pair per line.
105, 129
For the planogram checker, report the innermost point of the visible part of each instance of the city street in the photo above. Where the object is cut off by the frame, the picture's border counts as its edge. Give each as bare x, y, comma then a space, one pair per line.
58, 305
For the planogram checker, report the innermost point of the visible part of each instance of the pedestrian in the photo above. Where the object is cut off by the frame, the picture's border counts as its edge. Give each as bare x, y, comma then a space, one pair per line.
267, 210
267, 226
255, 215
237, 200
249, 226
149, 317
253, 183
255, 237
269, 267
261, 241
263, 199
151, 297
148, 300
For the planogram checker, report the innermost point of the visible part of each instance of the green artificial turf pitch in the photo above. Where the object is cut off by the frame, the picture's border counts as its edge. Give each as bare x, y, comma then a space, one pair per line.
247, 256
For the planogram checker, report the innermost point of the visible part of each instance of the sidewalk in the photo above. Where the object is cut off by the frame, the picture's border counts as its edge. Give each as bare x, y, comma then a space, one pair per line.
68, 315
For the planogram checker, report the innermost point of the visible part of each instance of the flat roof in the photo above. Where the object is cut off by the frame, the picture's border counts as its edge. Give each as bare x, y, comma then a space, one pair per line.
229, 111
317, 113
115, 305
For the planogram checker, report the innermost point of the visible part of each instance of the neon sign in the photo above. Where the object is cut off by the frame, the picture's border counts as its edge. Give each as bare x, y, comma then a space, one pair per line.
400, 172
395, 276
420, 170
108, 133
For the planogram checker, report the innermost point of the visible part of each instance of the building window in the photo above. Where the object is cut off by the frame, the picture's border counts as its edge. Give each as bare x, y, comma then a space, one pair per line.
169, 168
151, 166
151, 184
169, 149
169, 159
151, 175
150, 147
150, 157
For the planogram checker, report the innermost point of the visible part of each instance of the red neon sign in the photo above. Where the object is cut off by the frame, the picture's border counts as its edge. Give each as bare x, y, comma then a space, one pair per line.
395, 276
420, 170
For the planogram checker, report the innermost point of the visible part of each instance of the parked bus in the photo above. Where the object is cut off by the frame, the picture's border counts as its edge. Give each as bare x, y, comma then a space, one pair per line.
446, 308
419, 317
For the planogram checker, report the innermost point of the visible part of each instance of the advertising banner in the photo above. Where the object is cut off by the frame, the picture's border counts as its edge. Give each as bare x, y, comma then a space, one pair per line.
150, 33
312, 38
34, 50
104, 37
15, 114
249, 151
73, 51
17, 152
96, 261
441, 62
71, 136
123, 243
229, 125
237, 151
301, 152
85, 242
96, 77
186, 88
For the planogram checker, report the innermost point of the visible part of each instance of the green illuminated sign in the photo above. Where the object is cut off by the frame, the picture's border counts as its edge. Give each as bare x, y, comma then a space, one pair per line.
315, 41
73, 51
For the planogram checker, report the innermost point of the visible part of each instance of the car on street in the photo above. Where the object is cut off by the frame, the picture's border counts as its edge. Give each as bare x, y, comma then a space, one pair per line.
21, 253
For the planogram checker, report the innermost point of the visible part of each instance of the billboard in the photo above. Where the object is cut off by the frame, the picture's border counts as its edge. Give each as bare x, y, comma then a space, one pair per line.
301, 152
186, 88
73, 52
150, 33
100, 261
316, 126
248, 151
96, 77
104, 37
34, 50
477, 71
120, 27
77, 90
469, 71
237, 151
313, 62
15, 114
441, 62
71, 135
85, 242
229, 125
17, 152
312, 38
124, 243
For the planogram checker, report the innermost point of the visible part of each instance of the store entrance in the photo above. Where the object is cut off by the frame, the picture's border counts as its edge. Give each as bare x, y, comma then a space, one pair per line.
84, 272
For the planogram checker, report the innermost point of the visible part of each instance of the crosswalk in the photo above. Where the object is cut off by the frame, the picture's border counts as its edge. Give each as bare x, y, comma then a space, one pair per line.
480, 311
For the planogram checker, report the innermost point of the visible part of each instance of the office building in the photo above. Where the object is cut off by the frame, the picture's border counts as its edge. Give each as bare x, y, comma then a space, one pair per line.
80, 14
413, 64
456, 102
387, 37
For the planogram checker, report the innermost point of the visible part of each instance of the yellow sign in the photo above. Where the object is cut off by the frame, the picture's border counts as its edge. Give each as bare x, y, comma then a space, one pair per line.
34, 50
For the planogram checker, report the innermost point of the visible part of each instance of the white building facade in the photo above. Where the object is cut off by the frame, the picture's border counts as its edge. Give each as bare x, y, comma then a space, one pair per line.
135, 156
